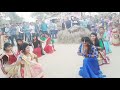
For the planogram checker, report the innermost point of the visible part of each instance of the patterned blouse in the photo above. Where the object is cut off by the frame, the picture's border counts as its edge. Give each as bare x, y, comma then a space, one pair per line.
93, 53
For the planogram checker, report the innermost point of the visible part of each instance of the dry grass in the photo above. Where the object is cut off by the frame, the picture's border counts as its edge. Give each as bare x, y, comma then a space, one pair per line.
73, 35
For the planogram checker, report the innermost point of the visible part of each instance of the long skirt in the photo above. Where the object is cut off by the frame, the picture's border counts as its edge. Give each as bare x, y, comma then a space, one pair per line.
37, 51
90, 69
48, 49
33, 70
30, 70
102, 58
107, 47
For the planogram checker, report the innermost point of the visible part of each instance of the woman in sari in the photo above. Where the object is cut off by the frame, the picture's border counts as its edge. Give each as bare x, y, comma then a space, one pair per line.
8, 58
90, 67
102, 58
103, 35
26, 66
49, 48
30, 68
115, 37
37, 45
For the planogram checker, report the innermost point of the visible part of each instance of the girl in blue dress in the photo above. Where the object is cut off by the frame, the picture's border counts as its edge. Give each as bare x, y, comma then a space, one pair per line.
90, 67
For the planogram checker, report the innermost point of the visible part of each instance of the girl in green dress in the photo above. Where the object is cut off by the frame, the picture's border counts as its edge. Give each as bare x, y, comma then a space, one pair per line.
102, 59
104, 37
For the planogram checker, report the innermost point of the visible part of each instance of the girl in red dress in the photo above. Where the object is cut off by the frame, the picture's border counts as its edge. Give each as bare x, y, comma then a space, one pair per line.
37, 45
48, 47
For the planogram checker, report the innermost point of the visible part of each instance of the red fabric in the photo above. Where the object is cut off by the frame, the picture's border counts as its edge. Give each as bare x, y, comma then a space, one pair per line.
48, 48
37, 51
22, 72
12, 59
48, 41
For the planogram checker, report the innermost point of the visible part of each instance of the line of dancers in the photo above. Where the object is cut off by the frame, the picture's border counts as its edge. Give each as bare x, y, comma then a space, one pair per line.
24, 63
94, 49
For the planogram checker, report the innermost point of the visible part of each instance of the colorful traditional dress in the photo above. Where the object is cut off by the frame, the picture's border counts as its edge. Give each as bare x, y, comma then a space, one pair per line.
19, 49
37, 48
90, 67
7, 63
49, 47
24, 67
29, 67
115, 37
102, 57
43, 38
53, 41
106, 43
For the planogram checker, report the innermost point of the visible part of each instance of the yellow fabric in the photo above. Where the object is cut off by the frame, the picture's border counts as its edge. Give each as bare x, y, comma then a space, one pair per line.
32, 69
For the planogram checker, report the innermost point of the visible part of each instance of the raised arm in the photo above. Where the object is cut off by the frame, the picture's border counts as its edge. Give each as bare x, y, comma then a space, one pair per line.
41, 41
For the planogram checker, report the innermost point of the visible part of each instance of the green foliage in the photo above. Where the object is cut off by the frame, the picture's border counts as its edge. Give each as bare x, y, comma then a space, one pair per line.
44, 15
14, 18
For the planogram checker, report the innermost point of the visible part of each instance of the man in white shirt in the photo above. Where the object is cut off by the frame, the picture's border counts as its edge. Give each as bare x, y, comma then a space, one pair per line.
7, 32
18, 29
21, 34
32, 29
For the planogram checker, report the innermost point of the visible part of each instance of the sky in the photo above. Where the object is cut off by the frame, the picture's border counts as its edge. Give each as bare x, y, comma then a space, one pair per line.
26, 16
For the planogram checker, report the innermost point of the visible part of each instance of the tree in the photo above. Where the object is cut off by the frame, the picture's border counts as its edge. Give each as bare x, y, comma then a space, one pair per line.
14, 18
44, 15
3, 19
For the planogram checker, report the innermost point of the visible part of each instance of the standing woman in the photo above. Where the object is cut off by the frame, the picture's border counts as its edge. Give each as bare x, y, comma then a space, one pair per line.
103, 35
90, 67
37, 45
102, 58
